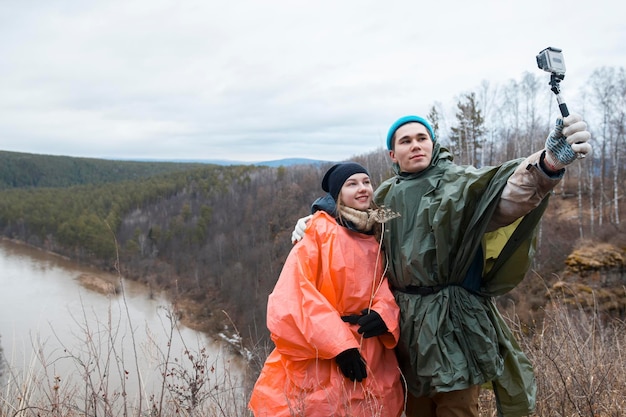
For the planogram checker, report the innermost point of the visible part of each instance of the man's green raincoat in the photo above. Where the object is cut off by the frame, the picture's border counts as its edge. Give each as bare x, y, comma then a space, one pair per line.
452, 335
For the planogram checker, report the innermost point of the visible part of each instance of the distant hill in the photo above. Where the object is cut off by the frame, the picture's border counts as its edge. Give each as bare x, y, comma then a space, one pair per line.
24, 170
291, 162
226, 162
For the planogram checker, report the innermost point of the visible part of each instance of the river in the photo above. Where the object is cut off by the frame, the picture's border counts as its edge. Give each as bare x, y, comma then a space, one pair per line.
60, 337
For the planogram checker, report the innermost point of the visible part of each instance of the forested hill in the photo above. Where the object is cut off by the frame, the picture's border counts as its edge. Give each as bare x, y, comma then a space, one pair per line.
33, 170
216, 235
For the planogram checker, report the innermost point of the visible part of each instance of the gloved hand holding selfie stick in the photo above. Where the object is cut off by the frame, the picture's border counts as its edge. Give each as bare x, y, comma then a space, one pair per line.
564, 150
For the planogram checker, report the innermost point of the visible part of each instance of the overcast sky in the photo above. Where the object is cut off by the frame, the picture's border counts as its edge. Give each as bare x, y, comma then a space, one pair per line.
255, 80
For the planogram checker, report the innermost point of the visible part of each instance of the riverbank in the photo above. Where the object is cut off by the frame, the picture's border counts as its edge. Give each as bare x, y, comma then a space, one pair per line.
212, 321
71, 350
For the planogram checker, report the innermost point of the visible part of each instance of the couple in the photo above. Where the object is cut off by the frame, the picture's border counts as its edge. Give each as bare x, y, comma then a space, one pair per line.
349, 343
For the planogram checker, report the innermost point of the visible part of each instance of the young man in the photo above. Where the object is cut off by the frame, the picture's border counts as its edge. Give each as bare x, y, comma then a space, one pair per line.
463, 236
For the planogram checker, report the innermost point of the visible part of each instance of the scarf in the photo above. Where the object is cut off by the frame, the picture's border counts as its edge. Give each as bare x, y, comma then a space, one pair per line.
364, 221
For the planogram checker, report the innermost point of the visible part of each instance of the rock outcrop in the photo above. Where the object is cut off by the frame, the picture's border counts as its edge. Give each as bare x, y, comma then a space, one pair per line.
594, 277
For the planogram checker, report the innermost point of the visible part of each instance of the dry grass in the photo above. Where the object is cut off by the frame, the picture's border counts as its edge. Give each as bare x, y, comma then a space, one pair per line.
578, 356
579, 360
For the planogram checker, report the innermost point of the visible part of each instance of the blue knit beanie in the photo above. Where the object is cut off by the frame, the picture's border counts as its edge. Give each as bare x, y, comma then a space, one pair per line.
337, 175
404, 120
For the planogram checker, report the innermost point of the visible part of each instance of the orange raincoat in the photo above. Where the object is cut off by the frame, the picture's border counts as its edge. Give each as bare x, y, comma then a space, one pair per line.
332, 272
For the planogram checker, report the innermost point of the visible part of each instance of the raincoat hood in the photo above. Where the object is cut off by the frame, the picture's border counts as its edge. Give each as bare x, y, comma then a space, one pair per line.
325, 203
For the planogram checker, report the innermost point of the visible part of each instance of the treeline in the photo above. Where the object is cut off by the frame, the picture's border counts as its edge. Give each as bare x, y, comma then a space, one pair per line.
80, 220
19, 170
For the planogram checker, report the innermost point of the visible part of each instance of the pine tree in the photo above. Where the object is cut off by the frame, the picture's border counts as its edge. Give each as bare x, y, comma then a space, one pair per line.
467, 137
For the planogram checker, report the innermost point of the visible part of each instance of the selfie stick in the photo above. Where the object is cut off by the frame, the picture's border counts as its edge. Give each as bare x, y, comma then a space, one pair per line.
551, 60
554, 83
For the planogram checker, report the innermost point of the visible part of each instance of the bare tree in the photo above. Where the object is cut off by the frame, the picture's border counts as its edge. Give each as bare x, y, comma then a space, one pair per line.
487, 100
602, 83
618, 125
509, 115
529, 89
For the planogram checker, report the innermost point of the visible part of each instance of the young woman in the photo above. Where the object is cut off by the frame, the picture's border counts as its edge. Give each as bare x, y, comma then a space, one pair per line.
332, 315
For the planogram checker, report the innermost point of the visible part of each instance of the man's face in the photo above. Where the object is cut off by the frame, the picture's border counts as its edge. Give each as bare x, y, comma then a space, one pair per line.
413, 148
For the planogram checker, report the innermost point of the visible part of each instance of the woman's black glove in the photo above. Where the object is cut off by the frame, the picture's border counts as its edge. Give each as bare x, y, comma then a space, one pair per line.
352, 364
371, 324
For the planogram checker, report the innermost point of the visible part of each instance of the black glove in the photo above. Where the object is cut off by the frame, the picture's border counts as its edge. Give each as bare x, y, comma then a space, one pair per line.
352, 364
352, 318
371, 324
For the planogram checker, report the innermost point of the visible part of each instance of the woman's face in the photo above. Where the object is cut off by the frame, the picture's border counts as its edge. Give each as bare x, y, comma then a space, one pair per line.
357, 192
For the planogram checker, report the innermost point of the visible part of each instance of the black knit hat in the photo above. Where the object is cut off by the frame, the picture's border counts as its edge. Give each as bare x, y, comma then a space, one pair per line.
337, 175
